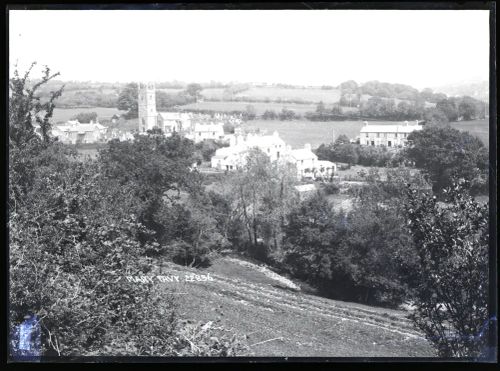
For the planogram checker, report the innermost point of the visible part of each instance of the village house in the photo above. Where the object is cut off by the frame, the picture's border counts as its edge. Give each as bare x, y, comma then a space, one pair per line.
305, 161
202, 132
170, 122
74, 132
233, 157
394, 136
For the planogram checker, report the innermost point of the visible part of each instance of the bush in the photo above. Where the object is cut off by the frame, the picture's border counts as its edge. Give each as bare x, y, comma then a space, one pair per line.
452, 291
331, 188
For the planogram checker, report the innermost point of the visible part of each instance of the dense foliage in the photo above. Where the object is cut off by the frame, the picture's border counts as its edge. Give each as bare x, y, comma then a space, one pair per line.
77, 228
85, 117
444, 153
354, 154
452, 298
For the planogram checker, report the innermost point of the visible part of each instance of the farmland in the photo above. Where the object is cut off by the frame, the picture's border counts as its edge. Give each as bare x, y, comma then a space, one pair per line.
260, 107
65, 114
299, 132
306, 94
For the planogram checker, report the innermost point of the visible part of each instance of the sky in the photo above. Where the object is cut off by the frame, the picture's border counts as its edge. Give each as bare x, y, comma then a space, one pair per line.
422, 48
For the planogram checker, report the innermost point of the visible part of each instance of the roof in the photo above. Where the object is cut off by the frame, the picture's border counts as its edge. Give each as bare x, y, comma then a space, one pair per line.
173, 115
325, 164
303, 154
390, 128
81, 128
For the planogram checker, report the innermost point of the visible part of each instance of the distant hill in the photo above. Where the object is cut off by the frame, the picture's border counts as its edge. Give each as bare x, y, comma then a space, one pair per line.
474, 89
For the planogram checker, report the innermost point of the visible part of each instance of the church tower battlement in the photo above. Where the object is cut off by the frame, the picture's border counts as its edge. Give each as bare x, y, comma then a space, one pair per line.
147, 106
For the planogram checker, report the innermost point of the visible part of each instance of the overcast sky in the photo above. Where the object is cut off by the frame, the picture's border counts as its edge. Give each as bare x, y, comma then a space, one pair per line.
320, 47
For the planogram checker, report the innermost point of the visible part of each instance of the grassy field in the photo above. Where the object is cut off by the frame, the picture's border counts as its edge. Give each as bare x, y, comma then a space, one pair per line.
307, 94
260, 107
213, 93
65, 114
280, 322
297, 133
479, 128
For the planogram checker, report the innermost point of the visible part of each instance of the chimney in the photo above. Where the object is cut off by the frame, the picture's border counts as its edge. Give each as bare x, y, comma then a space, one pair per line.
307, 146
406, 123
366, 123
276, 134
416, 122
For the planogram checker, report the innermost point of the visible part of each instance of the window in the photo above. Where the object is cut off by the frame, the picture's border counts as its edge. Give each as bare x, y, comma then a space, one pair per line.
366, 135
373, 143
378, 135
389, 143
396, 135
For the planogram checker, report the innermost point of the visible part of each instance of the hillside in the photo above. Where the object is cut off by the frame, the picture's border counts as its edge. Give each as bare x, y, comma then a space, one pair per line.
474, 89
249, 300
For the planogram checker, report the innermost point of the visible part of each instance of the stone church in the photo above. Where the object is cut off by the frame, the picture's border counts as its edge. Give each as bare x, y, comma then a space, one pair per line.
149, 118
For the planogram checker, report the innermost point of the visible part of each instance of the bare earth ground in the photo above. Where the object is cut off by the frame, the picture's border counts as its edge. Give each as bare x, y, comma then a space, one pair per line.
244, 300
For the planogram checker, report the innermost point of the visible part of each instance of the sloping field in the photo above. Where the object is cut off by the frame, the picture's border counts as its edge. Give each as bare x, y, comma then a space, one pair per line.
306, 94
65, 114
281, 322
213, 93
299, 132
260, 107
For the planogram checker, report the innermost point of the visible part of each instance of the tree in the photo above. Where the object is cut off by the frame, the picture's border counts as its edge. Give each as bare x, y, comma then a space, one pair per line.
269, 115
320, 108
250, 112
194, 90
128, 100
443, 153
349, 87
468, 108
449, 108
287, 114
27, 109
345, 153
435, 116
309, 233
85, 117
263, 192
452, 293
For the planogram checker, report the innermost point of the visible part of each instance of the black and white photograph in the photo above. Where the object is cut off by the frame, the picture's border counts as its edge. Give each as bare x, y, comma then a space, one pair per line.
250, 184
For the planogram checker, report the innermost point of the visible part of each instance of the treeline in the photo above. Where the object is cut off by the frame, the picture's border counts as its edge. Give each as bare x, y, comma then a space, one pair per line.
388, 90
446, 110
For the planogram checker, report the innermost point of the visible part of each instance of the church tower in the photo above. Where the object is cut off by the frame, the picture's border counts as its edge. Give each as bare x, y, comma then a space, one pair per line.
147, 107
